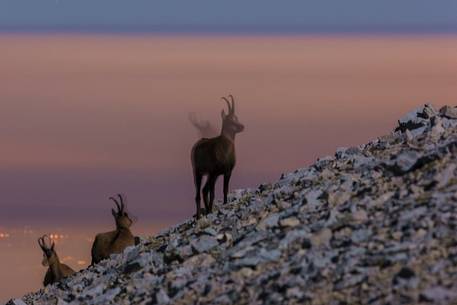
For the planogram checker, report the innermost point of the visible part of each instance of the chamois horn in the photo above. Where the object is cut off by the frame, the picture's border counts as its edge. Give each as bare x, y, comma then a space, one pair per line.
117, 204
121, 199
228, 104
42, 243
233, 103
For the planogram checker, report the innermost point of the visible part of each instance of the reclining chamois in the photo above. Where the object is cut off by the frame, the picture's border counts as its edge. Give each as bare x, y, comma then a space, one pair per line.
56, 271
214, 157
115, 241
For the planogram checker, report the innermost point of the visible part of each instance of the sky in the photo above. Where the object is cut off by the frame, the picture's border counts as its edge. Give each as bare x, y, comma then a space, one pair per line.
87, 116
231, 16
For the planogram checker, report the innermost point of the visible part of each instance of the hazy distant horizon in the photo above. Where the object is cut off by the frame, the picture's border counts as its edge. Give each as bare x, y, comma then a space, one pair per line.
232, 30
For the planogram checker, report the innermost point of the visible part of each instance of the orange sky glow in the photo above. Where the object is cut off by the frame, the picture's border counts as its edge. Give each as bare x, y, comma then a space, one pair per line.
121, 102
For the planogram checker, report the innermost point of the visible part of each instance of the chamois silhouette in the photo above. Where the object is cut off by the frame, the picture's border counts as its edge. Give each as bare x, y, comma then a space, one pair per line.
214, 157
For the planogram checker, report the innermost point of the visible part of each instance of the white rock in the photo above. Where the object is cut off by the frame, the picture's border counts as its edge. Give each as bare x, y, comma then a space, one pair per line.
289, 222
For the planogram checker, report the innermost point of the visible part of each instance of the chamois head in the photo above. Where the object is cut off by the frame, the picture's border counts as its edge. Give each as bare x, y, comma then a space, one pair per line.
230, 123
49, 255
121, 216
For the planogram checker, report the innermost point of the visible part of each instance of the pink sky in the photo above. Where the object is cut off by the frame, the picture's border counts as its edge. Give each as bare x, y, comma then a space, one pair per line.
112, 110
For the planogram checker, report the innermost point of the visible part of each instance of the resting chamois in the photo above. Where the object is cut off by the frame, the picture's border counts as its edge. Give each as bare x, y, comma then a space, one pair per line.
56, 271
115, 241
214, 157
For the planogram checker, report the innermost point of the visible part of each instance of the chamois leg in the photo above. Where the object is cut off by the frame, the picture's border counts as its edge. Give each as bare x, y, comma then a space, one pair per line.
211, 193
226, 185
206, 190
198, 183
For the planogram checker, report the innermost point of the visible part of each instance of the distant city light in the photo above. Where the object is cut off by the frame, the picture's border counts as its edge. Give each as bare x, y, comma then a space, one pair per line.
57, 236
67, 259
28, 230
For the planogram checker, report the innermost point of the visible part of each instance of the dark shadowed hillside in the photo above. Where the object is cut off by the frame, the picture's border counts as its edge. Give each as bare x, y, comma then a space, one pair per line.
374, 224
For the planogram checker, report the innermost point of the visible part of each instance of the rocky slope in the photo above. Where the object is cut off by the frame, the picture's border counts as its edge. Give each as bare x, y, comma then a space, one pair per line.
374, 224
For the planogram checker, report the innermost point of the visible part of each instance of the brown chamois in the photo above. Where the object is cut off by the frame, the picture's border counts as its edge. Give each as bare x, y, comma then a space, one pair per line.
214, 157
56, 271
205, 128
115, 241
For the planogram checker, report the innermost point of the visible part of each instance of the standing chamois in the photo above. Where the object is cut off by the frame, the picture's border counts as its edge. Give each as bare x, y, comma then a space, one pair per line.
115, 241
214, 157
56, 271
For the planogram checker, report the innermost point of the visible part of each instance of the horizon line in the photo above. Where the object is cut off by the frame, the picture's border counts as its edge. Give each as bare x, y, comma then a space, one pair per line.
204, 30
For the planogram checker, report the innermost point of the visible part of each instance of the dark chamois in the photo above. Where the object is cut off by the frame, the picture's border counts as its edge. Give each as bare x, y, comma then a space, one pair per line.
214, 157
115, 241
56, 271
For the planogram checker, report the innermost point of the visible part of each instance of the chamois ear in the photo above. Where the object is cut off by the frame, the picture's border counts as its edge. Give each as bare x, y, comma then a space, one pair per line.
52, 246
223, 115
